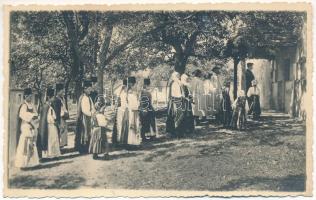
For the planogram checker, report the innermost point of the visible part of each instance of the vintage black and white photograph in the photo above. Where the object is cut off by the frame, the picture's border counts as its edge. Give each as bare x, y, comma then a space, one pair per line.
215, 100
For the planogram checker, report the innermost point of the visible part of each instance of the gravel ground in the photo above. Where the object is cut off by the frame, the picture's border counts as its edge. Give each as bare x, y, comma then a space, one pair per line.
269, 156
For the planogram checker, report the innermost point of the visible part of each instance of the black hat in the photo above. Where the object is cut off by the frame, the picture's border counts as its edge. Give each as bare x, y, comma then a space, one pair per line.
59, 86
87, 83
50, 92
197, 73
27, 91
125, 82
227, 83
131, 80
94, 79
146, 81
249, 64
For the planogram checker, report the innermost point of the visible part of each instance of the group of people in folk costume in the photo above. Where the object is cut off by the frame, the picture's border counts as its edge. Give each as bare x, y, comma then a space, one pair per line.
234, 114
41, 136
134, 120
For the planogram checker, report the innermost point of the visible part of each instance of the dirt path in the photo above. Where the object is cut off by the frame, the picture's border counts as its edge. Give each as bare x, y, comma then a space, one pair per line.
270, 156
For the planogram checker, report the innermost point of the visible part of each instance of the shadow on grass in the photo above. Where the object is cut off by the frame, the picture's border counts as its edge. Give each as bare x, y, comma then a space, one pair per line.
290, 183
67, 181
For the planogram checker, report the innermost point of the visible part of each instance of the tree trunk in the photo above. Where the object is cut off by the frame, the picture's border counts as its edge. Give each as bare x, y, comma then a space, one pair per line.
100, 81
236, 61
180, 62
66, 93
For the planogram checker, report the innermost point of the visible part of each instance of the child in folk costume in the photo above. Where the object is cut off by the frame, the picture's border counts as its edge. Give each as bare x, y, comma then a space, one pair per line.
27, 153
99, 143
48, 129
240, 107
147, 113
130, 133
254, 100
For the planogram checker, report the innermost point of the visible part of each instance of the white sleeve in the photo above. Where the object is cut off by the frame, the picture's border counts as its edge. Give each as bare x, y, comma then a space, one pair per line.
24, 115
133, 102
249, 92
51, 116
85, 106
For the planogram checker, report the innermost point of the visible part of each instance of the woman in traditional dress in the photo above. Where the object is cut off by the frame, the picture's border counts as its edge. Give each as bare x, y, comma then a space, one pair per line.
48, 129
254, 100
197, 92
225, 106
130, 133
27, 153
209, 92
175, 113
120, 105
84, 114
99, 143
147, 113
240, 107
188, 120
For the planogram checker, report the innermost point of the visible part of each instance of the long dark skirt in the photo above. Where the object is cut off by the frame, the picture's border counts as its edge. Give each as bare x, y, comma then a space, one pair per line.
99, 143
148, 123
83, 134
255, 108
238, 119
175, 116
187, 125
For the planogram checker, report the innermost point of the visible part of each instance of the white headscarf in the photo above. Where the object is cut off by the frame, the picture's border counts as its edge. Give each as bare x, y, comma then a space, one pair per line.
184, 79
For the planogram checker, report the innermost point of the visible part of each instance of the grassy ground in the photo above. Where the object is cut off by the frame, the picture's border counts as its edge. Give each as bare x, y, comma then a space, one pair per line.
269, 156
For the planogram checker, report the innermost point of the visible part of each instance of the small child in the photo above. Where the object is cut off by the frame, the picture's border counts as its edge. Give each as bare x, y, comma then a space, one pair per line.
99, 143
239, 111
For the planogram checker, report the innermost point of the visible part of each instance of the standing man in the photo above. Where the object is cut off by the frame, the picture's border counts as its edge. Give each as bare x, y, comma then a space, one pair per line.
84, 113
62, 114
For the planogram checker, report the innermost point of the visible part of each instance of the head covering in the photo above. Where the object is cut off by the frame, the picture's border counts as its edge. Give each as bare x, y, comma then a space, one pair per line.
254, 82
59, 86
174, 76
94, 79
125, 82
241, 93
27, 91
87, 83
227, 84
50, 92
146, 81
131, 80
99, 103
208, 75
249, 64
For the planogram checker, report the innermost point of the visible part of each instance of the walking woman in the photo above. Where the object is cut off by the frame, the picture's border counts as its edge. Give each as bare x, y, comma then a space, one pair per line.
48, 128
175, 113
147, 113
254, 97
27, 153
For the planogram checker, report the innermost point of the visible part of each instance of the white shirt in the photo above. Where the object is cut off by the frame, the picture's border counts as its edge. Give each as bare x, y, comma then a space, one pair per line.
51, 116
24, 114
87, 106
176, 89
208, 87
253, 91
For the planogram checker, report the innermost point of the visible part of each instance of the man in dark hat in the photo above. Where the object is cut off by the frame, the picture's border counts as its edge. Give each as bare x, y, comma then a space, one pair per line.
147, 113
84, 114
94, 92
62, 114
